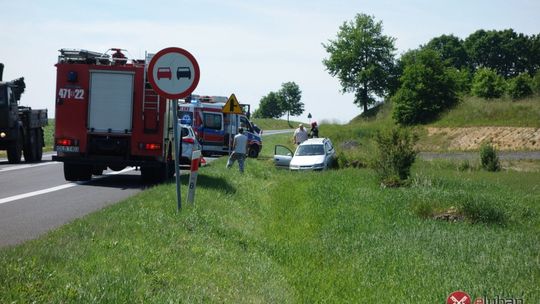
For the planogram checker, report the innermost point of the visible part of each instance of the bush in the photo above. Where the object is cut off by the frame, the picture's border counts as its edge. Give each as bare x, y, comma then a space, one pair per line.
478, 210
396, 155
536, 83
488, 84
428, 87
489, 158
520, 86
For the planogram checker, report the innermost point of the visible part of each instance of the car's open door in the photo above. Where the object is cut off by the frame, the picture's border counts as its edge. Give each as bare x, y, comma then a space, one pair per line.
282, 156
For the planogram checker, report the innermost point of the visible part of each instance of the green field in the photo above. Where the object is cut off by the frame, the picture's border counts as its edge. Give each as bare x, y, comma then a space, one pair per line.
473, 112
275, 124
273, 236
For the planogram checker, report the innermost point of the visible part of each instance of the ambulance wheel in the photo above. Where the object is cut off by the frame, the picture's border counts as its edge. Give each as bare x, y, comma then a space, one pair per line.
253, 151
77, 172
14, 151
29, 149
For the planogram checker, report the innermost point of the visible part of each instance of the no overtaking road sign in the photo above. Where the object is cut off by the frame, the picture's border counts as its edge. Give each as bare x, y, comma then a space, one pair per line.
174, 73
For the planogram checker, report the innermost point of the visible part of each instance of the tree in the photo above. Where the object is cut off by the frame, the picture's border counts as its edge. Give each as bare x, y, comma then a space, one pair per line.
506, 52
362, 58
488, 84
269, 106
427, 88
520, 86
451, 50
289, 97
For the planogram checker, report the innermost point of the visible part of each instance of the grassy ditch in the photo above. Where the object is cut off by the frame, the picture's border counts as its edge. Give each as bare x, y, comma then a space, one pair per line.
274, 236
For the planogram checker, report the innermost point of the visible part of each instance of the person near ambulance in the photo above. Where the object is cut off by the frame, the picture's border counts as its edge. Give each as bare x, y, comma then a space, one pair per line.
240, 148
300, 135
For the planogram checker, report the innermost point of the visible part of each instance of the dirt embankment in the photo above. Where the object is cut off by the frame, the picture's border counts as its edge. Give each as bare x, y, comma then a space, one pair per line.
470, 138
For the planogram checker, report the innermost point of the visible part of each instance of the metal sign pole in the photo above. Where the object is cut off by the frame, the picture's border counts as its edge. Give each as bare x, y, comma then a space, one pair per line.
177, 149
230, 134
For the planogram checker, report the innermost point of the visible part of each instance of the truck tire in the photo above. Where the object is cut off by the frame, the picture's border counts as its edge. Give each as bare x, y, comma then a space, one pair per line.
14, 151
29, 149
39, 144
154, 175
77, 172
253, 151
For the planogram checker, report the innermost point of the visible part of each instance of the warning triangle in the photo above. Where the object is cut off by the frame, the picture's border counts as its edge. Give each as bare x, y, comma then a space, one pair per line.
232, 106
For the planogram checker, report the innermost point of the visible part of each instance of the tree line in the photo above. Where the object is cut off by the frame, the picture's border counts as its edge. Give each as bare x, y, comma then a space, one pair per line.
285, 101
423, 82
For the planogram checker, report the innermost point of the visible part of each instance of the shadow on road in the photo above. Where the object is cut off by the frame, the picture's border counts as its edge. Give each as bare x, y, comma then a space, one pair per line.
120, 181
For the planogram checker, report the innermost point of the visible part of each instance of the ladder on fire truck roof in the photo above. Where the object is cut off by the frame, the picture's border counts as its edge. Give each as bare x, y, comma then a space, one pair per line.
150, 104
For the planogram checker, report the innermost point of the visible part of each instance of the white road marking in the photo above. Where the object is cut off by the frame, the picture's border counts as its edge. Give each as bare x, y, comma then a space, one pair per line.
13, 168
57, 188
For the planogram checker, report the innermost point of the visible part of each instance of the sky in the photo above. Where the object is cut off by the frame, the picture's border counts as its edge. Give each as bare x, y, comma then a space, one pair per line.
248, 48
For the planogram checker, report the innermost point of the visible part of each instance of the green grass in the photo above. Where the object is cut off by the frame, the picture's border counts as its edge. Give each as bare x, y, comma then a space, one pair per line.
275, 124
48, 134
472, 112
274, 236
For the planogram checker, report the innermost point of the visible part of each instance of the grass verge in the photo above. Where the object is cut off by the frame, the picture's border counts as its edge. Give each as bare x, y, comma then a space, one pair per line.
282, 237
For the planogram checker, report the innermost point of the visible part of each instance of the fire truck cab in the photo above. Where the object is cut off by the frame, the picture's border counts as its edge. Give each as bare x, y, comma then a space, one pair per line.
215, 128
108, 115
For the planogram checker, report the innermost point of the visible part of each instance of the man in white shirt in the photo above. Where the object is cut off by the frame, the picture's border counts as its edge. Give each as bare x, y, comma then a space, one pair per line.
300, 135
240, 146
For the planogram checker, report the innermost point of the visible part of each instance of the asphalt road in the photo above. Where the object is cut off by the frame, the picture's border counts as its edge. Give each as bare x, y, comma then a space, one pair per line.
35, 198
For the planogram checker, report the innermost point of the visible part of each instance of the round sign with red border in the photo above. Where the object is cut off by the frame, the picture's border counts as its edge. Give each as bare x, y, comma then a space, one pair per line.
174, 73
458, 297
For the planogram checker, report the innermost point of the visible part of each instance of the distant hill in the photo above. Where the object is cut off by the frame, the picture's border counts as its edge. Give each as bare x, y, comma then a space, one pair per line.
509, 125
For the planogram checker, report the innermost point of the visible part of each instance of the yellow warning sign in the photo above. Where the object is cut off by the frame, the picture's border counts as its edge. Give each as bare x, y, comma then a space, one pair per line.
232, 106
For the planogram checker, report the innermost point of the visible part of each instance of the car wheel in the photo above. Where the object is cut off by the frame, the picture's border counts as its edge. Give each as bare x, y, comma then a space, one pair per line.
253, 151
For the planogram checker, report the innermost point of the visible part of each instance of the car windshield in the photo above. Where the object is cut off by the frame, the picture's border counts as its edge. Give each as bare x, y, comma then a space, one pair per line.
304, 150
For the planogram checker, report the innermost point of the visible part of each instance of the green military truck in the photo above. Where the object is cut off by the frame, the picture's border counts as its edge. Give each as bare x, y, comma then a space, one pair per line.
21, 128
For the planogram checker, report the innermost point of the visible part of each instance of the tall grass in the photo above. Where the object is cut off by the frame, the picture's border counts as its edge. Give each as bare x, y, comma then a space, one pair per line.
275, 124
474, 111
274, 236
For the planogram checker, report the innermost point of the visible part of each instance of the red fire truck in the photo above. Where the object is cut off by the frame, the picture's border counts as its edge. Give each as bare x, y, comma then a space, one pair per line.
108, 115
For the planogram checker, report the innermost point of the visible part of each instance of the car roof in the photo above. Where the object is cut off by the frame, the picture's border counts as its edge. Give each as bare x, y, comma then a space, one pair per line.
314, 141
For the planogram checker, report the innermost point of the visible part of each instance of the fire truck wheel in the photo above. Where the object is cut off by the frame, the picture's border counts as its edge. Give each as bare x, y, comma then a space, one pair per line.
97, 170
14, 151
77, 172
253, 151
170, 169
154, 174
29, 149
117, 168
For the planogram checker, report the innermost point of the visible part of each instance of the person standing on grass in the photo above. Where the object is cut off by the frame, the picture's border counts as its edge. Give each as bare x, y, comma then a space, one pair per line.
240, 144
300, 135
314, 132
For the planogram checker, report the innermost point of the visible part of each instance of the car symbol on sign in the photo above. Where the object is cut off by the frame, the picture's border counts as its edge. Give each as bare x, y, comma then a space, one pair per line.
164, 73
183, 72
